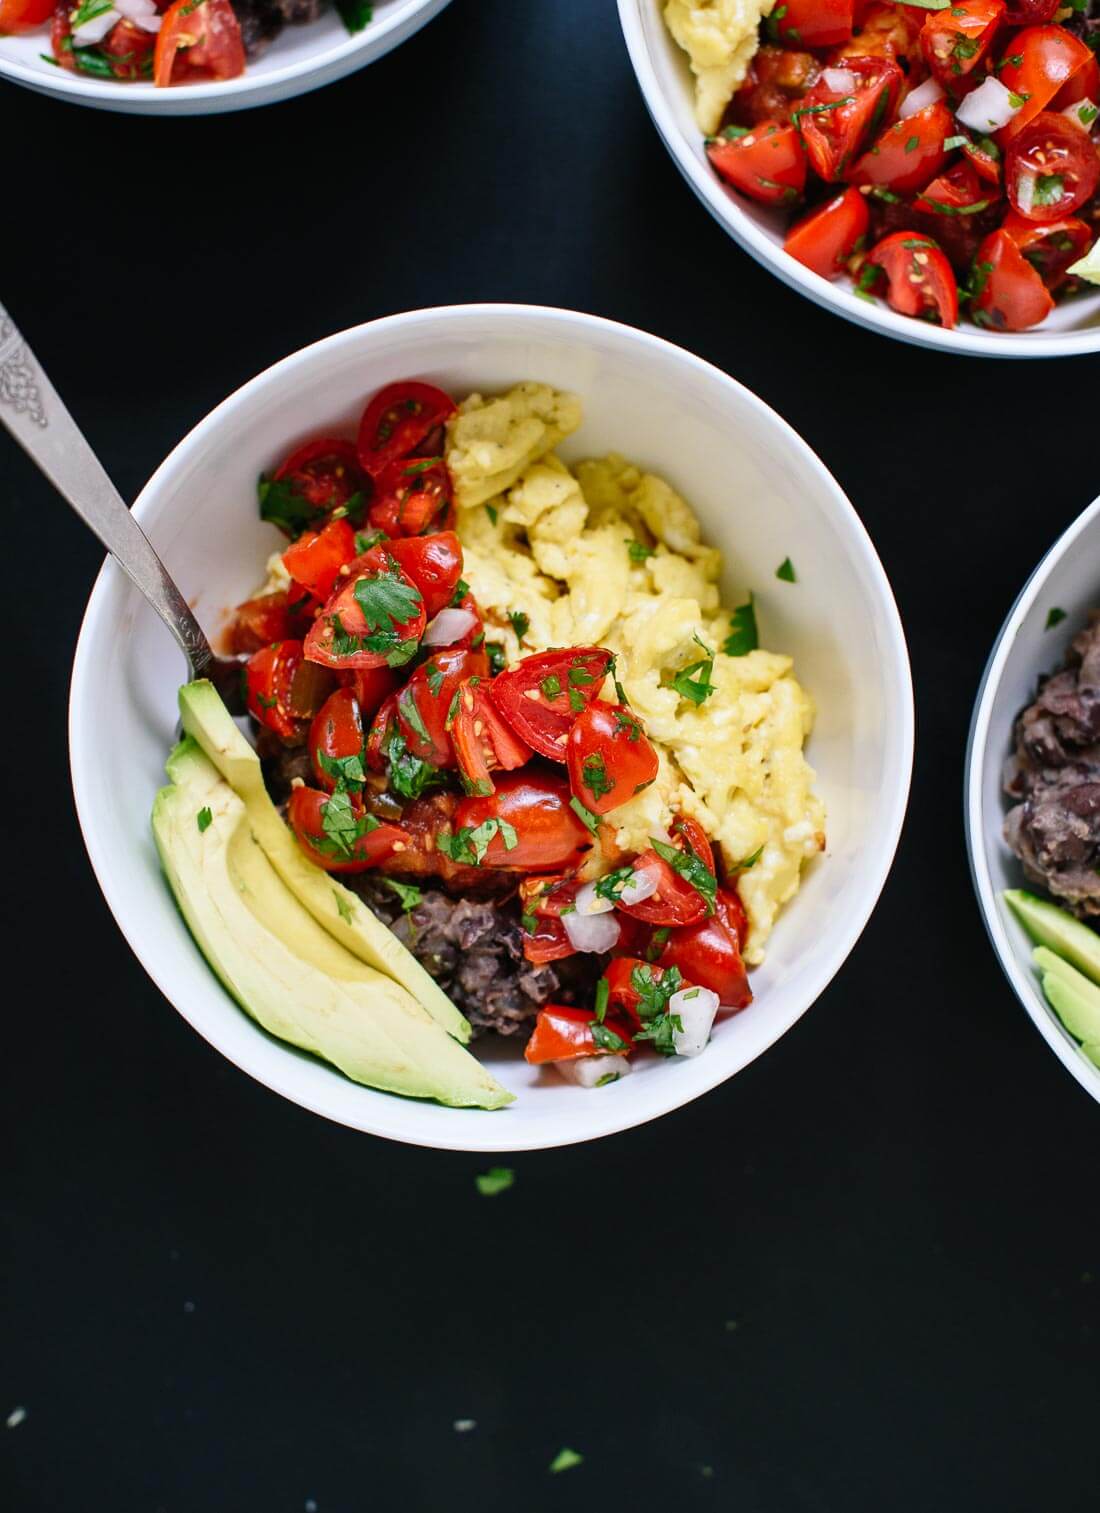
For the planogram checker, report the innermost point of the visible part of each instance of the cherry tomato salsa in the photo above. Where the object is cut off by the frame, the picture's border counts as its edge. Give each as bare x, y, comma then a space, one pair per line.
425, 757
944, 154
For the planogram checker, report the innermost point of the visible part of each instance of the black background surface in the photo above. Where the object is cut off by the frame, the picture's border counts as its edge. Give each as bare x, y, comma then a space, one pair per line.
864, 1274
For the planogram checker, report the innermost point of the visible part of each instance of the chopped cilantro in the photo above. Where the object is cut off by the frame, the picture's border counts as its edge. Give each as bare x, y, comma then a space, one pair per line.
388, 600
409, 894
606, 1039
469, 844
749, 861
587, 818
578, 676
912, 144
594, 776
498, 661
342, 828
343, 908
743, 636
410, 776
638, 550
627, 722
520, 623
603, 992
491, 511
204, 819
611, 885
1055, 617
1050, 188
281, 504
657, 942
565, 1460
693, 682
411, 714
576, 701
347, 772
691, 868
498, 1179
785, 571
655, 986
434, 674
550, 687
462, 588
952, 142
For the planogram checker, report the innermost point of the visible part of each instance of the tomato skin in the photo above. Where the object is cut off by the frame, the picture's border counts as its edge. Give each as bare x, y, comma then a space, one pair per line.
709, 953
1050, 150
1012, 296
433, 563
381, 728
984, 164
897, 165
305, 813
324, 474
816, 23
777, 79
886, 31
425, 701
535, 802
1049, 247
767, 162
825, 239
399, 640
622, 996
61, 37
209, 35
607, 744
397, 420
413, 495
1030, 12
337, 731
257, 622
24, 15
543, 718
315, 559
920, 277
547, 942
131, 45
1049, 58
563, 1033
954, 190
482, 741
371, 685
956, 40
269, 679
835, 137
675, 902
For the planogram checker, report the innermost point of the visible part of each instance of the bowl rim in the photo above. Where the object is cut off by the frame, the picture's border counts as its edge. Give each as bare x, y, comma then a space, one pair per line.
977, 751
380, 1118
228, 94
842, 301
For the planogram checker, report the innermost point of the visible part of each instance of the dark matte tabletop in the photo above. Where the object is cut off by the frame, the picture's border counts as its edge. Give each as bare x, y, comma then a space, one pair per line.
864, 1274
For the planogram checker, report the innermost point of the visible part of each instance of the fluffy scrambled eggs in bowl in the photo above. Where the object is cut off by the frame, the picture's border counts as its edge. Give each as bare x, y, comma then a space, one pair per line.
719, 501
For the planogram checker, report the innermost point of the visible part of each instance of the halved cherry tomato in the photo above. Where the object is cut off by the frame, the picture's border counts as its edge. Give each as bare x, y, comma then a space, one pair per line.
336, 737
838, 125
549, 897
777, 79
676, 901
1010, 295
269, 680
985, 157
959, 191
208, 35
1051, 169
61, 38
709, 953
1030, 12
547, 941
22, 15
531, 807
322, 476
337, 836
257, 622
129, 47
433, 563
562, 1033
315, 559
542, 695
813, 23
956, 40
397, 420
909, 153
921, 281
483, 742
1050, 248
825, 239
428, 704
1040, 61
371, 685
623, 991
886, 31
609, 757
375, 618
382, 728
767, 161
413, 495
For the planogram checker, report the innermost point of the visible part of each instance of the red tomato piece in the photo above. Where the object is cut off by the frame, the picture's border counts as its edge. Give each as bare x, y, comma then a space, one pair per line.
624, 993
677, 900
483, 742
709, 953
813, 23
61, 38
535, 828
984, 156
337, 836
547, 941
23, 15
322, 476
208, 35
433, 563
257, 622
1040, 61
609, 757
1051, 169
767, 161
956, 40
543, 694
129, 47
336, 736
959, 191
315, 559
886, 31
909, 153
382, 728
1030, 12
839, 123
1049, 247
397, 420
413, 495
1009, 294
825, 239
548, 897
376, 617
921, 281
777, 79
428, 704
269, 681
562, 1033
371, 685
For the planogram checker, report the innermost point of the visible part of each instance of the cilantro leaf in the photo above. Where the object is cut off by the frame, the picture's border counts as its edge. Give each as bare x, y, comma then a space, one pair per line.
1055, 617
565, 1460
785, 571
743, 636
342, 828
410, 776
204, 819
498, 1179
586, 816
594, 776
521, 623
343, 908
411, 714
638, 551
691, 868
388, 600
606, 1039
281, 504
748, 861
611, 885
409, 894
347, 772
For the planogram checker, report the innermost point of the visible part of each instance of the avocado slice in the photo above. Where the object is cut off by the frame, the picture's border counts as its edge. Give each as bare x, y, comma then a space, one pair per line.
1089, 265
1050, 926
336, 908
281, 966
1071, 994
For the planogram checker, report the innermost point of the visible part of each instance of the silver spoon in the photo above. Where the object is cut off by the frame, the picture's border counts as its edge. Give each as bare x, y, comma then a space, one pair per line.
32, 411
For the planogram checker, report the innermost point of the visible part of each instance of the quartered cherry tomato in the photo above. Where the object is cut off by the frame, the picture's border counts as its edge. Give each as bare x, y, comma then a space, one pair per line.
885, 31
61, 38
382, 727
1009, 294
483, 741
23, 15
337, 836
547, 941
709, 953
322, 476
129, 47
921, 281
336, 737
624, 993
413, 495
959, 191
562, 1033
370, 686
609, 757
1051, 169
777, 79
957, 39
257, 622
677, 900
1050, 248
985, 157
825, 239
839, 124
375, 619
315, 559
207, 34
909, 153
542, 695
397, 420
269, 684
433, 563
813, 23
766, 161
1039, 63
428, 704
542, 900
534, 804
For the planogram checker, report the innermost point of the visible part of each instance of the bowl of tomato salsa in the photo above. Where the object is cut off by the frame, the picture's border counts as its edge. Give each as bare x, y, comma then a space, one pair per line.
786, 530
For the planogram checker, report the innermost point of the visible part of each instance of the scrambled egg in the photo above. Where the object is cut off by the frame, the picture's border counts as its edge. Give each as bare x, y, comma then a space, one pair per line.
556, 545
720, 39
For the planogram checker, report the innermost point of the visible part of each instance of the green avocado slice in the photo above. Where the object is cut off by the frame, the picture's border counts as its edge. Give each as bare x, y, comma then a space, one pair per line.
1050, 926
336, 908
281, 966
1069, 992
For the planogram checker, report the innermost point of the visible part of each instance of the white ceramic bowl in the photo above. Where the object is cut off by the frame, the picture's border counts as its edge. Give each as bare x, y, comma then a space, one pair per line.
761, 495
300, 59
666, 84
1067, 578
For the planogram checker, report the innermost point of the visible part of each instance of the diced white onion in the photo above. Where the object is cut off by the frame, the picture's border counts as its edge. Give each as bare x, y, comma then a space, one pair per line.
1025, 190
1073, 113
918, 99
448, 626
840, 80
989, 107
696, 1008
641, 886
94, 30
142, 13
589, 1071
588, 901
591, 932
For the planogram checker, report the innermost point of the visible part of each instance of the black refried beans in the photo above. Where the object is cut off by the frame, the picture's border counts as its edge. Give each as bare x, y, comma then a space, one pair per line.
261, 21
